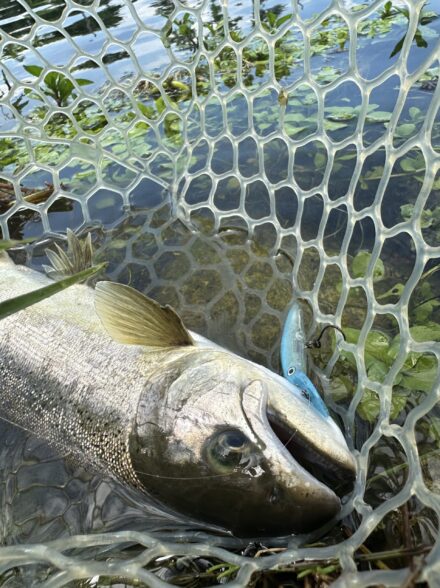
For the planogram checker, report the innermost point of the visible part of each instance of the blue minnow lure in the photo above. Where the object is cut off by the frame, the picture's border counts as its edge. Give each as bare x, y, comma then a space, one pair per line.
294, 358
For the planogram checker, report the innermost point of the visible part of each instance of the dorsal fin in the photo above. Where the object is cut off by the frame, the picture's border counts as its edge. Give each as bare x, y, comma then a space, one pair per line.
78, 257
131, 317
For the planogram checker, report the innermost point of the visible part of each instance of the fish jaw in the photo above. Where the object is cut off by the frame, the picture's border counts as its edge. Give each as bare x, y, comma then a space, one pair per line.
313, 440
297, 501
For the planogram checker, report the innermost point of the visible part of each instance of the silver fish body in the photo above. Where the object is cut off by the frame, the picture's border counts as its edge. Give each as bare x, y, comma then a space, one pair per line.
204, 431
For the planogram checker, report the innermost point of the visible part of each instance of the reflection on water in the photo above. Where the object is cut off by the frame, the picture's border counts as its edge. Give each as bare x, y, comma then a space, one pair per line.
227, 157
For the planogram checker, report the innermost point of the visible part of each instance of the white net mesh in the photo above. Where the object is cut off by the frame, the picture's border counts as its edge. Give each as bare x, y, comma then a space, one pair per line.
227, 154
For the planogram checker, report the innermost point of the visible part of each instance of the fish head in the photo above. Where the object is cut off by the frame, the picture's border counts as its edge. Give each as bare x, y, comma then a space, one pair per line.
230, 443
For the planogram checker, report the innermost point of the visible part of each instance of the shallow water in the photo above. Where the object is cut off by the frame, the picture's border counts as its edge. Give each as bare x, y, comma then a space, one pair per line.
226, 157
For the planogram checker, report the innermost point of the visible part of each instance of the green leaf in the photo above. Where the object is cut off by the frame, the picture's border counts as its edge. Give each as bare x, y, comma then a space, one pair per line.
419, 380
147, 111
398, 47
34, 70
320, 160
414, 112
377, 345
351, 335
341, 388
293, 117
263, 126
10, 243
8, 307
160, 105
398, 403
406, 210
396, 290
428, 332
51, 80
420, 41
427, 17
291, 130
330, 125
360, 265
340, 113
369, 406
83, 82
376, 370
283, 19
378, 116
405, 130
65, 88
180, 86
408, 164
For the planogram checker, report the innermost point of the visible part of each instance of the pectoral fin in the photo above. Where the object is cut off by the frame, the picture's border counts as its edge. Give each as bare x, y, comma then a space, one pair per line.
131, 317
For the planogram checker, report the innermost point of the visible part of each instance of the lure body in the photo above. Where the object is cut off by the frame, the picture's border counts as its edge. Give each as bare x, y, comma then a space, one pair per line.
294, 359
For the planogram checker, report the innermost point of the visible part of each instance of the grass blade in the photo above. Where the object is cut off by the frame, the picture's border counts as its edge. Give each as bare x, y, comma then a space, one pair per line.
8, 307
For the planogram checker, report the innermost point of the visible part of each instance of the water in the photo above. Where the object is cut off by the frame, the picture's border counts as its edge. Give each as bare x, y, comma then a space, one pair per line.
221, 168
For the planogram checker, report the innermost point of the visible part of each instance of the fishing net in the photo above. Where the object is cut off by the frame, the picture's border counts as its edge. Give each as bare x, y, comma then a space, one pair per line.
225, 156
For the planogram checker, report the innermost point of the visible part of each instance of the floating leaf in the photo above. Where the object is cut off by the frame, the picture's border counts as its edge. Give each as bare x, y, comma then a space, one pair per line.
405, 130
414, 112
340, 113
330, 125
378, 116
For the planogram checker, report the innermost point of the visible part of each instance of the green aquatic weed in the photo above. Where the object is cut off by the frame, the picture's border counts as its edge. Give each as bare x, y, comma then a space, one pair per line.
56, 85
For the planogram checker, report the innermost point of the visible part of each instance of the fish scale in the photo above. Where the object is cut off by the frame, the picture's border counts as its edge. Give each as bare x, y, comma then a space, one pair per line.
62, 403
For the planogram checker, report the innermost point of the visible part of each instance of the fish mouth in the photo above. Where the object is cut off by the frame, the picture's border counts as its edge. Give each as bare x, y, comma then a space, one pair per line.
340, 478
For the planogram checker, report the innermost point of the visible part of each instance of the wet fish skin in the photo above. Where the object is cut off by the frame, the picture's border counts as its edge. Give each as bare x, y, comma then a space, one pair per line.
161, 419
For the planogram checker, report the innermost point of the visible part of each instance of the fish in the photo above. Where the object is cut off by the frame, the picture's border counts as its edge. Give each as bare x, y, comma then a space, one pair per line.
118, 381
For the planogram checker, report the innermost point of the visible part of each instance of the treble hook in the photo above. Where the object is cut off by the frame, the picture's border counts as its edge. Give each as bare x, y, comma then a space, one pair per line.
316, 343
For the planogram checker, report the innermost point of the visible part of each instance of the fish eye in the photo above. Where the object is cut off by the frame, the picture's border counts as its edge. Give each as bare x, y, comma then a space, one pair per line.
305, 394
291, 371
226, 449
235, 440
